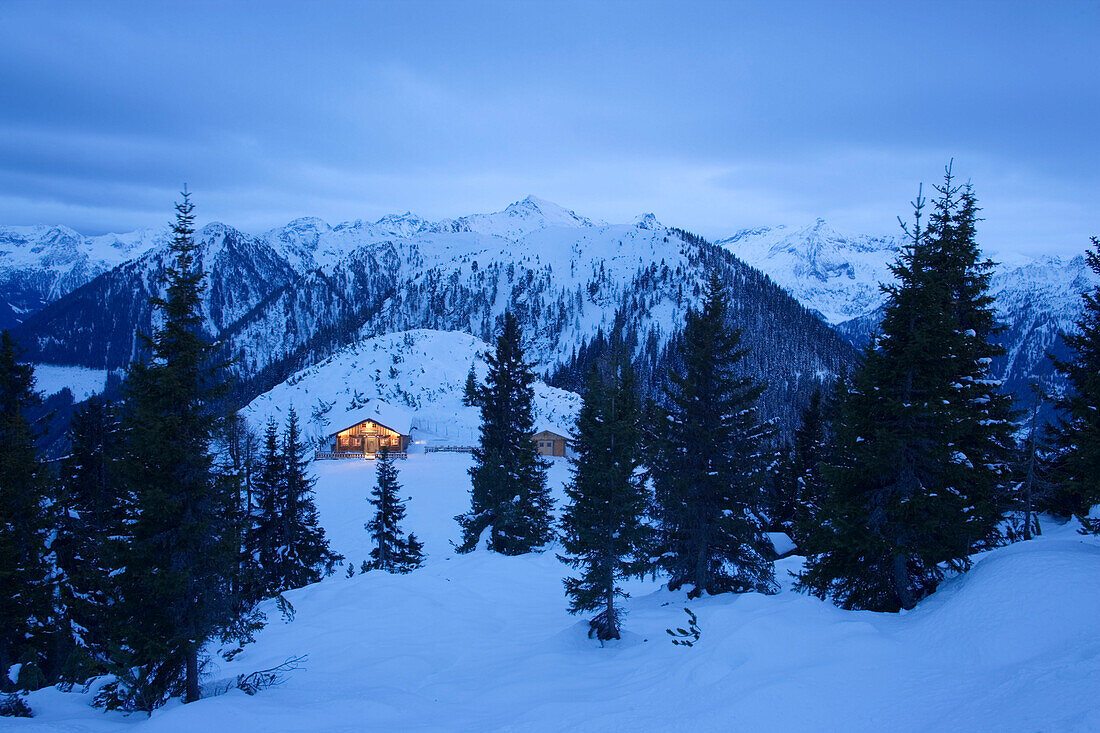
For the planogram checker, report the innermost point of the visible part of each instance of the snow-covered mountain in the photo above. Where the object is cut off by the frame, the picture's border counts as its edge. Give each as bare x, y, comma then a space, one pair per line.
835, 274
40, 264
838, 276
96, 325
310, 242
293, 296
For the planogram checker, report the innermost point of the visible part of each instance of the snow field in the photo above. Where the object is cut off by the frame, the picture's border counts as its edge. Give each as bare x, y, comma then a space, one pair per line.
483, 642
50, 379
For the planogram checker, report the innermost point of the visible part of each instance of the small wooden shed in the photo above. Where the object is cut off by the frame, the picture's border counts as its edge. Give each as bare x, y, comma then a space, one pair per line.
550, 443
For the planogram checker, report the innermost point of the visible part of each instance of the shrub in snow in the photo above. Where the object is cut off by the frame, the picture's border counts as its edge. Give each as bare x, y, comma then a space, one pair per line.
14, 706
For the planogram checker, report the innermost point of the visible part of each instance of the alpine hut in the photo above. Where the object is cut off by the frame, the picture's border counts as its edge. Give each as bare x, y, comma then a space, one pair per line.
367, 430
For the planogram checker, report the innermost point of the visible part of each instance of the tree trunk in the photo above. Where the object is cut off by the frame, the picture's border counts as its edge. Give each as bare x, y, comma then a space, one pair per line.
1030, 481
192, 693
701, 576
6, 684
901, 582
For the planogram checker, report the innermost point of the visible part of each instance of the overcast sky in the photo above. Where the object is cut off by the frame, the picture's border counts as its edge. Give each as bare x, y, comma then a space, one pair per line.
714, 116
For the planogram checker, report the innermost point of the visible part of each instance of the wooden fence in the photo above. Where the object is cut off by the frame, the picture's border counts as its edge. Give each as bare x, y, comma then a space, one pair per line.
328, 455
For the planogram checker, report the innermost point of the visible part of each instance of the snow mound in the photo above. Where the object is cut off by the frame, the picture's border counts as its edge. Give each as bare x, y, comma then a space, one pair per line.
1017, 605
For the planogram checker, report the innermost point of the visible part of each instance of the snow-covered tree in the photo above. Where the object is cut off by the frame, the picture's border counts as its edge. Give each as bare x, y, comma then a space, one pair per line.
709, 470
25, 575
393, 552
603, 527
180, 550
89, 515
290, 543
919, 475
509, 496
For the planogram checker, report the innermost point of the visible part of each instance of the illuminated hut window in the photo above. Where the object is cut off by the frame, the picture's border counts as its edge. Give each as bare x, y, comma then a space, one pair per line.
367, 437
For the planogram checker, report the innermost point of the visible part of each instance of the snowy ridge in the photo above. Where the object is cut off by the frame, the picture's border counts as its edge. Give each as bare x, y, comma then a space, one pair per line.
420, 371
311, 242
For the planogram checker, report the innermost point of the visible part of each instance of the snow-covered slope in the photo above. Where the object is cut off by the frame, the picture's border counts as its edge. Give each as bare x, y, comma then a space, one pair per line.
97, 324
483, 642
81, 381
421, 371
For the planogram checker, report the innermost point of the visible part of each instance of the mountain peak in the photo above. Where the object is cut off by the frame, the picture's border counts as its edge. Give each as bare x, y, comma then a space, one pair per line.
404, 225
548, 211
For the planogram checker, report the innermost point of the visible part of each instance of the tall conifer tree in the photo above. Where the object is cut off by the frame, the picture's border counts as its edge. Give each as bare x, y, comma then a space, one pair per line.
25, 574
604, 530
798, 483
302, 553
509, 495
709, 469
265, 535
181, 551
1076, 436
238, 458
90, 515
920, 470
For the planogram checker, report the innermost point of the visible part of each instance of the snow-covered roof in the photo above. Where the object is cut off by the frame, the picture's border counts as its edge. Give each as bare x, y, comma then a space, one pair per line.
551, 431
380, 412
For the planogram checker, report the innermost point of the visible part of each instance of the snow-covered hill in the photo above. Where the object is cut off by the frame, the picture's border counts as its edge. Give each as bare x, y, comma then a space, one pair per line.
483, 642
421, 371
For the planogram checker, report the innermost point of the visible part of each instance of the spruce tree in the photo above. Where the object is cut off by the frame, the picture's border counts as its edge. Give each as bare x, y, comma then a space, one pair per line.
709, 469
980, 421
509, 496
90, 516
25, 574
919, 474
604, 532
469, 391
265, 534
392, 552
302, 553
180, 552
798, 484
238, 463
1076, 436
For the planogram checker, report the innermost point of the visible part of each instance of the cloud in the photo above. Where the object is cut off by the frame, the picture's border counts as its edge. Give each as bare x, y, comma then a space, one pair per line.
714, 116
